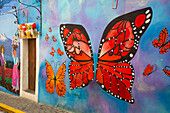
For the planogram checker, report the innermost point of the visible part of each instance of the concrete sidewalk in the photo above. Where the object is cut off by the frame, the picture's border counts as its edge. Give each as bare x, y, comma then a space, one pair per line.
27, 105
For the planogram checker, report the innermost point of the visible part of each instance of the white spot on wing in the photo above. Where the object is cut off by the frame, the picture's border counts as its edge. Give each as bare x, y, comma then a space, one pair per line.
131, 55
149, 15
147, 21
147, 11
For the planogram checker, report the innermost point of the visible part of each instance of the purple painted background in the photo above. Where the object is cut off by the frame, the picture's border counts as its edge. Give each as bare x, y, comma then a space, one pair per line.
151, 93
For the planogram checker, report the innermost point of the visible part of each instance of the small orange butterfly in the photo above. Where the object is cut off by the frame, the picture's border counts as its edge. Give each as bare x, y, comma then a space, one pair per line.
47, 37
54, 39
53, 51
50, 30
60, 52
57, 81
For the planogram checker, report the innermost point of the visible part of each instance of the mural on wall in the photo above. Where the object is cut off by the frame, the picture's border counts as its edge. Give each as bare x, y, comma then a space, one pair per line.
119, 43
162, 42
9, 48
57, 81
10, 69
88, 22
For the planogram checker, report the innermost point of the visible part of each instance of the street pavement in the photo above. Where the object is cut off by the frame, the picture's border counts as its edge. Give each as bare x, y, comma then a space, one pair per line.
27, 105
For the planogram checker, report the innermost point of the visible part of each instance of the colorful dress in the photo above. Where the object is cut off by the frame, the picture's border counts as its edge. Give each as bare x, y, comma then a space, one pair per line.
15, 76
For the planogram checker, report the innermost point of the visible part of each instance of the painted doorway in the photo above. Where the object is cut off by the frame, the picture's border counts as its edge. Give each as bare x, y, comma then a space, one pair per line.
29, 68
31, 64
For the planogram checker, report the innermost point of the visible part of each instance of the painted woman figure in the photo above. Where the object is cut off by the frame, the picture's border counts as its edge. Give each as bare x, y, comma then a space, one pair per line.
15, 75
3, 63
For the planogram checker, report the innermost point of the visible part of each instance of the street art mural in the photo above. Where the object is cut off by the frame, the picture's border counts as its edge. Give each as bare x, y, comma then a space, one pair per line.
119, 43
10, 69
106, 51
9, 50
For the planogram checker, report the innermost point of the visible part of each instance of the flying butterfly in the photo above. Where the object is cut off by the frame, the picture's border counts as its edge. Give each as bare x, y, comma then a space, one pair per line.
54, 39
60, 52
162, 42
53, 51
50, 30
47, 37
149, 69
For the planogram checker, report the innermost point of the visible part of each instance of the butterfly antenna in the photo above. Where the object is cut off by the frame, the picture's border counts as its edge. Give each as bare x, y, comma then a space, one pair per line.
58, 62
167, 67
52, 63
155, 68
168, 41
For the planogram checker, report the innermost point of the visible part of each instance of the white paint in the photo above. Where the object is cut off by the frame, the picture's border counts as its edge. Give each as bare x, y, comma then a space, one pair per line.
147, 11
149, 15
131, 55
147, 21
24, 70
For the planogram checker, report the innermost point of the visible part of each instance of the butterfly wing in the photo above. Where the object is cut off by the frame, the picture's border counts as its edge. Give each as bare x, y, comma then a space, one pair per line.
165, 48
52, 53
53, 50
167, 72
77, 46
47, 36
118, 46
46, 39
163, 36
50, 80
60, 85
156, 43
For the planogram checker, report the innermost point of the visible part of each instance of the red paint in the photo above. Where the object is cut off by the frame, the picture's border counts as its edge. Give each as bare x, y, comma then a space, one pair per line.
139, 21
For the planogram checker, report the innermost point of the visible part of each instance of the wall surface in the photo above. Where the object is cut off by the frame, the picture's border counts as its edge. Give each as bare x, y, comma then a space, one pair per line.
7, 32
150, 92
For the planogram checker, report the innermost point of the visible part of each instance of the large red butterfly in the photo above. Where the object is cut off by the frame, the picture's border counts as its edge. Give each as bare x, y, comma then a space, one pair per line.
118, 45
161, 43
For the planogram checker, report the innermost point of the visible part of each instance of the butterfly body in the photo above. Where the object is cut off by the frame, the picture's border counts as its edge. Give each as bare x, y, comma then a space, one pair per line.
118, 45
